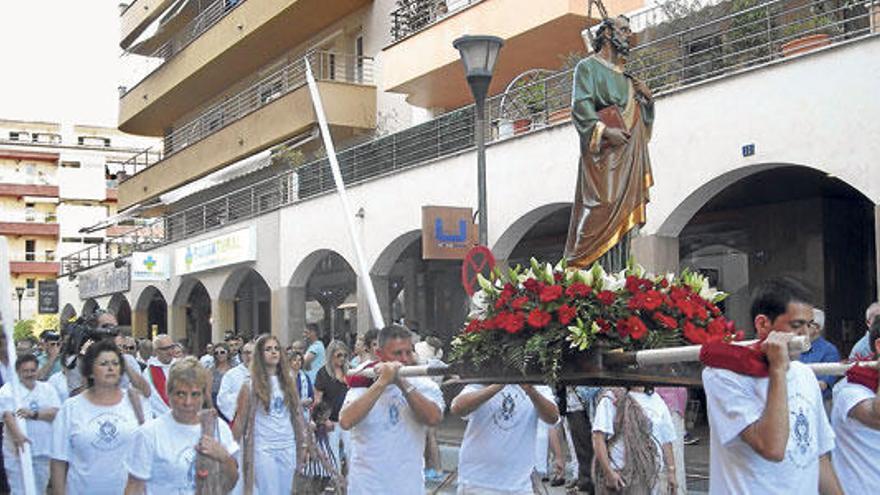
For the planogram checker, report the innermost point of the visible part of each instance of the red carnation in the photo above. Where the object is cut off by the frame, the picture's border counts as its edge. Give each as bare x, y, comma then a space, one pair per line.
666, 321
623, 328
538, 318
578, 289
637, 328
514, 322
557, 277
519, 302
508, 291
606, 297
474, 326
694, 334
604, 326
551, 293
566, 313
533, 286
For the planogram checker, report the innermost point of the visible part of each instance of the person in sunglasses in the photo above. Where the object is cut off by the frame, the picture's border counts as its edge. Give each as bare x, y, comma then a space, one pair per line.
220, 367
157, 372
48, 355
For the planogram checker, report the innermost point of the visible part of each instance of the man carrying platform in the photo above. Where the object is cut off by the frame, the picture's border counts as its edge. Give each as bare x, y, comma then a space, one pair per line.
501, 431
769, 434
855, 417
388, 422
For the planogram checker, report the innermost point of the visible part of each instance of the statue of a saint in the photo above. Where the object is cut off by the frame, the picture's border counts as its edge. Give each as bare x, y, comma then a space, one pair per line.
612, 113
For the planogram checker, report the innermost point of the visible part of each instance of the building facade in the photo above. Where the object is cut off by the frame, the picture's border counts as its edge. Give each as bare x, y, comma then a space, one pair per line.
762, 160
55, 181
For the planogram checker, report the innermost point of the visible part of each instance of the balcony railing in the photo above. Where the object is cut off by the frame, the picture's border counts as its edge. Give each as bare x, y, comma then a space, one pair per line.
412, 16
133, 165
326, 66
141, 239
525, 108
193, 29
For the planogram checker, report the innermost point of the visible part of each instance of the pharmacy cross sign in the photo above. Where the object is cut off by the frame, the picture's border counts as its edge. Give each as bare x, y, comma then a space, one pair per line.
149, 262
479, 261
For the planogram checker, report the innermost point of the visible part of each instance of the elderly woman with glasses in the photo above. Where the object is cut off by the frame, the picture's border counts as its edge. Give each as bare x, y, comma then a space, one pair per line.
265, 421
162, 459
40, 407
221, 366
94, 429
330, 387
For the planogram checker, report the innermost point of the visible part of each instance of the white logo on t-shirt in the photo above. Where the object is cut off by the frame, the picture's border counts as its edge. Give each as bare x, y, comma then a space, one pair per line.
34, 407
277, 406
503, 417
106, 431
187, 457
801, 438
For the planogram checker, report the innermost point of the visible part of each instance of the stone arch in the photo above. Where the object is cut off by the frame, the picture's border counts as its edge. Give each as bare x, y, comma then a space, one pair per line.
251, 299
514, 233
90, 306
389, 256
119, 307
150, 313
308, 264
67, 313
682, 214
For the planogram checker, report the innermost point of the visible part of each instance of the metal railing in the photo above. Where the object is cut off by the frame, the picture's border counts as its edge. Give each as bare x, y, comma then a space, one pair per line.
326, 66
34, 258
736, 39
28, 217
186, 35
412, 16
135, 164
523, 109
143, 238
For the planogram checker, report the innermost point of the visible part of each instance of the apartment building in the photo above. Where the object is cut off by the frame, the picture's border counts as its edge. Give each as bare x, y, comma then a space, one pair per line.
242, 231
55, 181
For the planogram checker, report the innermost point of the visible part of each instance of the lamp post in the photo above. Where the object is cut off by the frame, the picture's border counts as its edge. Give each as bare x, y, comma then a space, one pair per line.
478, 54
19, 291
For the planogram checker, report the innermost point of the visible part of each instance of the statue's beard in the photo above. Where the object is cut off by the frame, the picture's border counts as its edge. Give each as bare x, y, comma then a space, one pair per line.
621, 45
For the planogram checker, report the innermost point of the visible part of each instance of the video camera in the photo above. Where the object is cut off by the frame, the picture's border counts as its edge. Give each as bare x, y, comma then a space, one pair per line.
84, 329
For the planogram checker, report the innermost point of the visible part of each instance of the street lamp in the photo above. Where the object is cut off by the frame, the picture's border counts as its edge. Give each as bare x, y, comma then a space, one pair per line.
478, 54
19, 291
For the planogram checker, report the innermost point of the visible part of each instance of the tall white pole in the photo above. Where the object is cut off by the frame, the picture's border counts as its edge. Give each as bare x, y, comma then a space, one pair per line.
348, 213
6, 319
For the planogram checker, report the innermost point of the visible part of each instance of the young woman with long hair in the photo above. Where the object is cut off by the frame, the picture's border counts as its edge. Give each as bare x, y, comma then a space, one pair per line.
266, 421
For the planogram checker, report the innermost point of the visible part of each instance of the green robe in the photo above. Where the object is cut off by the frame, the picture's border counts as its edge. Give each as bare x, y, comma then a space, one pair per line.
613, 182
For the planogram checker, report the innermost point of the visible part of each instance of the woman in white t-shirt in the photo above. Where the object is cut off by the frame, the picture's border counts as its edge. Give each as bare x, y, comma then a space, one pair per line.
632, 440
162, 458
264, 422
93, 430
39, 405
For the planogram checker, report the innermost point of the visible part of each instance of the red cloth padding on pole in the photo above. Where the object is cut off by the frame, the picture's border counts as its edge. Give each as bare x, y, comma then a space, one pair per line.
356, 381
739, 359
864, 375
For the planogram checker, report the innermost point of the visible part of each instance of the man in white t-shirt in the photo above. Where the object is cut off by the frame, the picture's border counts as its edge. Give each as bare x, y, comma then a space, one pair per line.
771, 435
230, 384
855, 416
502, 426
156, 373
388, 422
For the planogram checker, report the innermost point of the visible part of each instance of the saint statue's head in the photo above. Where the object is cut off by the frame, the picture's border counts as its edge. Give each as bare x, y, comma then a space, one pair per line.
616, 33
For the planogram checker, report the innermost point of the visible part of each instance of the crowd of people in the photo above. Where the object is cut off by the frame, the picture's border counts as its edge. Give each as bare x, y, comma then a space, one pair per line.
101, 412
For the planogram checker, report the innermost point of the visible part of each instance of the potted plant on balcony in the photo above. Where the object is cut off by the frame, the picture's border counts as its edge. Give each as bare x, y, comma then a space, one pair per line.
806, 30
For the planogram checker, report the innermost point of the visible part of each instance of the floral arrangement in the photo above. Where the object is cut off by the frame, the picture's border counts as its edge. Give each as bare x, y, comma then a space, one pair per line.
542, 315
